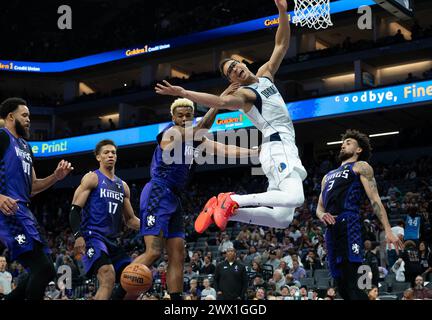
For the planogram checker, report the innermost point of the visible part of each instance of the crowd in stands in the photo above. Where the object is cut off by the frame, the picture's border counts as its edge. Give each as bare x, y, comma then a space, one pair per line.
285, 264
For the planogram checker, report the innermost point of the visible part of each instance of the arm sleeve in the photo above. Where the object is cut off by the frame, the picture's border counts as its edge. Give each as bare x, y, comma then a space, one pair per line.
75, 220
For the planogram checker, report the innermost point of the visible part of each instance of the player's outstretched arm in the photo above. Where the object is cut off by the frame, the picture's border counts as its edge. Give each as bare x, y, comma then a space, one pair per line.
207, 121
325, 217
227, 150
62, 170
282, 42
369, 184
88, 183
234, 101
128, 213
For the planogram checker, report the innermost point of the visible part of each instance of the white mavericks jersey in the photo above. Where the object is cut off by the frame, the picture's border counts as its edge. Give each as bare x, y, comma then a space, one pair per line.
270, 115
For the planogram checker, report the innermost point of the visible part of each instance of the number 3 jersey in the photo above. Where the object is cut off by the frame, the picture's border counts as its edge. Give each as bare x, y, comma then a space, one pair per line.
102, 214
16, 163
343, 190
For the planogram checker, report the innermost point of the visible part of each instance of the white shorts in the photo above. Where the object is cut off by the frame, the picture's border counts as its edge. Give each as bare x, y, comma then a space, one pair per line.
278, 161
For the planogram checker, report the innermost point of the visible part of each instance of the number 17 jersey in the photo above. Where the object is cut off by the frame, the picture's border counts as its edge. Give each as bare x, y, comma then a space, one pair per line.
102, 214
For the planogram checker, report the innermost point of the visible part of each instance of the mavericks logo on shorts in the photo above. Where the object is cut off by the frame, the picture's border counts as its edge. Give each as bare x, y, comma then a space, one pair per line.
282, 167
151, 219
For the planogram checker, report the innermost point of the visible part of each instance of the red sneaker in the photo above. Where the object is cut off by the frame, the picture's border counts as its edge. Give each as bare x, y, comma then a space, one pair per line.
224, 209
205, 218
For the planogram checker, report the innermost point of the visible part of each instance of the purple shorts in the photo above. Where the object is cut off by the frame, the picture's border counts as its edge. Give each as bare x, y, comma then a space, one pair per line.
99, 248
160, 210
18, 232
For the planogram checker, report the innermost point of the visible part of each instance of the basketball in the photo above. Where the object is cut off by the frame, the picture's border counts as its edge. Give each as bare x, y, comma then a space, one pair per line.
136, 278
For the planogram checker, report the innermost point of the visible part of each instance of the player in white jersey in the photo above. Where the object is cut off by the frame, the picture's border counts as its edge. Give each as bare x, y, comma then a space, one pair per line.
262, 103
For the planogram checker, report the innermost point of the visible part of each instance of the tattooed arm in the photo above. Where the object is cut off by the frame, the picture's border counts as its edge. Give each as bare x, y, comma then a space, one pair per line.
368, 180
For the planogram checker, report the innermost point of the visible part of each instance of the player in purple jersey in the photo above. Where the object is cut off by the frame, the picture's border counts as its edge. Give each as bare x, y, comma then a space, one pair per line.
19, 230
160, 209
99, 205
342, 190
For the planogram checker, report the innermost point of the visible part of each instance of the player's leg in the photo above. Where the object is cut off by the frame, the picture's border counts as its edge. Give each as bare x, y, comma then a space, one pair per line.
348, 282
41, 272
156, 206
290, 192
120, 260
106, 278
175, 251
26, 245
153, 249
289, 195
97, 261
277, 217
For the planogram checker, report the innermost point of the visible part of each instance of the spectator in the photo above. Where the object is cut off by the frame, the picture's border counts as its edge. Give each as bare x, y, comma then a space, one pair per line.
425, 257
420, 292
208, 290
208, 267
412, 225
52, 293
398, 269
311, 261
250, 256
226, 243
408, 294
285, 292
331, 294
260, 294
398, 231
161, 275
283, 268
90, 291
231, 280
303, 293
189, 273
5, 278
290, 281
373, 293
196, 262
412, 262
371, 260
278, 280
273, 260
193, 289
297, 271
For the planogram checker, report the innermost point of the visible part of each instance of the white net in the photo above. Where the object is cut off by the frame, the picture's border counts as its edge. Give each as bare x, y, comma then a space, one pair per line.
312, 13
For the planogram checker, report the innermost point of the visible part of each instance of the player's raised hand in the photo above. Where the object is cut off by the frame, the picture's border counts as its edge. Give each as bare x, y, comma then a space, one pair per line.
281, 5
394, 240
63, 169
328, 219
8, 205
233, 87
169, 90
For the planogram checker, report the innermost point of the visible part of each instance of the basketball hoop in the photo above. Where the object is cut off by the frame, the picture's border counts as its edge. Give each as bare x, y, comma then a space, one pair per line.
312, 13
